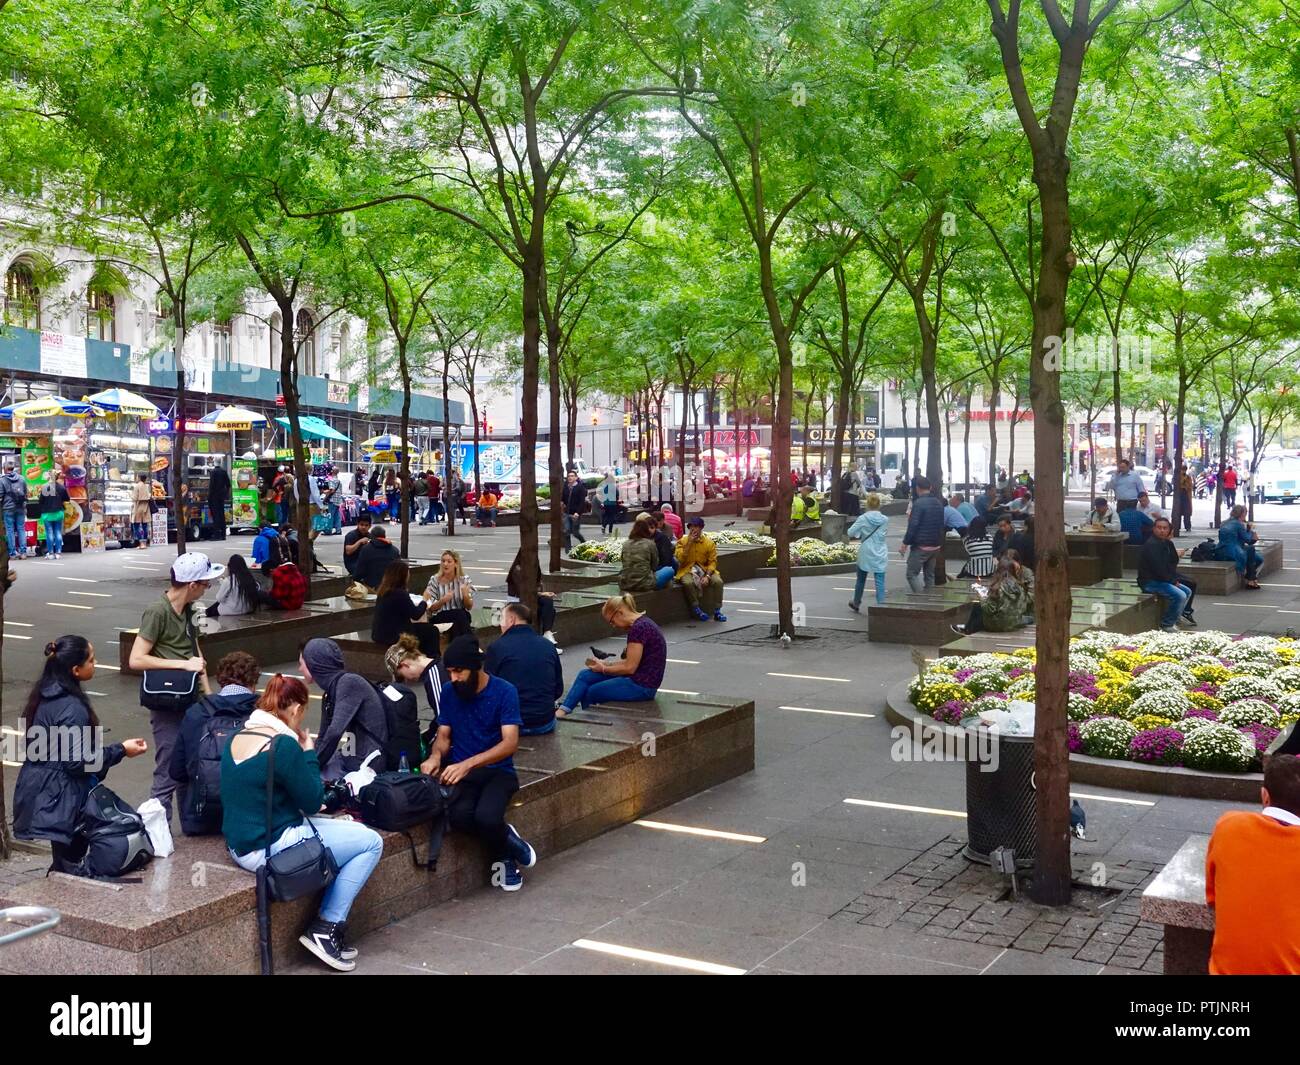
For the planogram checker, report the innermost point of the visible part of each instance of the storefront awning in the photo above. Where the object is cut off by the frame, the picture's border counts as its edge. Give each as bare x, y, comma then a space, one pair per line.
315, 428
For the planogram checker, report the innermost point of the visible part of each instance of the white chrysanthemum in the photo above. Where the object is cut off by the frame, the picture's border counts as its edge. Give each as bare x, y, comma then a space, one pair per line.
1249, 687
1162, 676
1218, 748
1163, 702
1107, 737
1249, 712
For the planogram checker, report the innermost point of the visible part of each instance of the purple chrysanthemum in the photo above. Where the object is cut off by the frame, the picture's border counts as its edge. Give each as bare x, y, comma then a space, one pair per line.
1073, 738
1203, 711
1263, 735
1157, 746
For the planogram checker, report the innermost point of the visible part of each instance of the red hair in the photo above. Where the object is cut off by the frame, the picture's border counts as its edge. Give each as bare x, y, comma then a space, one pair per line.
281, 693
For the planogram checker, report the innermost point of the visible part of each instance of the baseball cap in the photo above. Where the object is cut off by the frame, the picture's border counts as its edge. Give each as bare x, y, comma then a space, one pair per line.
696, 521
195, 566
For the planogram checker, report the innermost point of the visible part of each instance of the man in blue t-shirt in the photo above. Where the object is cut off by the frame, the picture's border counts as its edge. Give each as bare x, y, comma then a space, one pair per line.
478, 733
1137, 524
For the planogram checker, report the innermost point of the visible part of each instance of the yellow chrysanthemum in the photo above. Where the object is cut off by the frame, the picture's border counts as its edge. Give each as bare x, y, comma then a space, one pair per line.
1146, 721
1205, 701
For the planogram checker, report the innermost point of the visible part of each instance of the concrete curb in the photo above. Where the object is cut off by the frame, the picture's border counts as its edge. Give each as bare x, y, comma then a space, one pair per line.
810, 571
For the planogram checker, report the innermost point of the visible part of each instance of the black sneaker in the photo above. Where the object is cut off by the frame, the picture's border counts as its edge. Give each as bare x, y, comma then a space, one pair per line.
345, 952
322, 939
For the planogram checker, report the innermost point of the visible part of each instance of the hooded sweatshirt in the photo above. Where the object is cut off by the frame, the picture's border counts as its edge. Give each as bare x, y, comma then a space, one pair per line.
262, 545
14, 491
349, 704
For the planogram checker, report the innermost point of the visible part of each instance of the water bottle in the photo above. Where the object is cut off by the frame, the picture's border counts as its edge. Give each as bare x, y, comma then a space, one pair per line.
403, 766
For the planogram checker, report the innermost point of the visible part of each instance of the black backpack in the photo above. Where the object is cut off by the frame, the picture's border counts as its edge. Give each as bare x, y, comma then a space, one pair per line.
116, 840
204, 766
398, 802
403, 715
1204, 551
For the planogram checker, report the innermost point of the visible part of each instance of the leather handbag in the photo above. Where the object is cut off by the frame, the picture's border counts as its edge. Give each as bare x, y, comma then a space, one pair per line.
302, 869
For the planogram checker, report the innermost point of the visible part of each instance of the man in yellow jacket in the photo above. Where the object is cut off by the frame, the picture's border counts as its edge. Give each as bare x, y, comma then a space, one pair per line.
697, 572
805, 506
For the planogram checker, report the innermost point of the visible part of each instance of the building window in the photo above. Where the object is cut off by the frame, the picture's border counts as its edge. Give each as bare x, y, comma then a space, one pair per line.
101, 315
22, 297
304, 334
222, 344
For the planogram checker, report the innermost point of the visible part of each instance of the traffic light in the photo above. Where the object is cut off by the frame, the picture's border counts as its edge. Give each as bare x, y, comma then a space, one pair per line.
627, 420
595, 419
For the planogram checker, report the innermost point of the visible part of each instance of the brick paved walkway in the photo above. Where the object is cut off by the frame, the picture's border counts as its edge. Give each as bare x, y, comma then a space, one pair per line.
22, 867
941, 893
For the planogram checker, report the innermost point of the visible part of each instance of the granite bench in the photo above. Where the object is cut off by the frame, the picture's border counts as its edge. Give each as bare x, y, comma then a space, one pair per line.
926, 617
1176, 899
268, 635
195, 911
1215, 577
1083, 569
736, 563
327, 586
578, 621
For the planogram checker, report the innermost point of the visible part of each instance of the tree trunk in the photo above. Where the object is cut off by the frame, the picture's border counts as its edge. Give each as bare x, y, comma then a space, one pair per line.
1051, 883
301, 470
902, 409
1011, 437
473, 410
571, 393
916, 443
178, 452
837, 449
1180, 418
781, 489
404, 475
1218, 481
529, 563
1115, 398
1092, 463
966, 439
947, 443
995, 398
553, 339
1164, 449
446, 450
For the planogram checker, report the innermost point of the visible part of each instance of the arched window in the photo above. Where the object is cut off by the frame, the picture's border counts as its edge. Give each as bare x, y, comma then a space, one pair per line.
22, 296
304, 334
101, 314
277, 327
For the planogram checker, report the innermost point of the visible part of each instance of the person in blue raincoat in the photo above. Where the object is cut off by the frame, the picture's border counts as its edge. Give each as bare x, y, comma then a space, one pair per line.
873, 554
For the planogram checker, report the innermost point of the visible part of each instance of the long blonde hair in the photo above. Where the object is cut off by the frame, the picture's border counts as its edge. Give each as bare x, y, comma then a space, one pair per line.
460, 570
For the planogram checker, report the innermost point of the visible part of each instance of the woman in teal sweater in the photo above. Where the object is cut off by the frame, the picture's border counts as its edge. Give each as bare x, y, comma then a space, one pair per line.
297, 788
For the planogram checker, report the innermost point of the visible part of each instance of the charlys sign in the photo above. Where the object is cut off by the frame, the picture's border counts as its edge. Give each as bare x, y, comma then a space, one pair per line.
853, 434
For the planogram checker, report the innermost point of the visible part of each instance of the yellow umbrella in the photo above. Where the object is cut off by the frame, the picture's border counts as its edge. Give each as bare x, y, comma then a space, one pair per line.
45, 407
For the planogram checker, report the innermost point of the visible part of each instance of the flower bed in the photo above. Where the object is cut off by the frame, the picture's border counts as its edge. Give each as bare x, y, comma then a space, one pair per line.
740, 538
1202, 700
807, 551
599, 550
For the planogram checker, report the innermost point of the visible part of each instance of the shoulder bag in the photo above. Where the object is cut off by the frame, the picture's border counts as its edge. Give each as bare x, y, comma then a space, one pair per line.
172, 689
302, 869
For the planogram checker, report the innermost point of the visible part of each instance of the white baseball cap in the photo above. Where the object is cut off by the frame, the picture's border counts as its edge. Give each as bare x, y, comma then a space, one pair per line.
195, 566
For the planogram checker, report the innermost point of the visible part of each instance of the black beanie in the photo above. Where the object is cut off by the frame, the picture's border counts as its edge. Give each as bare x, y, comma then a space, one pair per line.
463, 653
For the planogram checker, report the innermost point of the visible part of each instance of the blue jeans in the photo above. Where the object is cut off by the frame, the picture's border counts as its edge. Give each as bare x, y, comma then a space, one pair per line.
356, 848
435, 509
285, 508
540, 730
336, 518
860, 583
592, 687
486, 515
663, 575
54, 535
1179, 595
16, 532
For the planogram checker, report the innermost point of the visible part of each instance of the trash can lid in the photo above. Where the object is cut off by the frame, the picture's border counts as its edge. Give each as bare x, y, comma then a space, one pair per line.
1015, 721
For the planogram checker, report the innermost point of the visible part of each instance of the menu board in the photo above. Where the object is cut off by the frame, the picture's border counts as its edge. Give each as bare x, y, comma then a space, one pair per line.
92, 536
32, 453
69, 453
243, 493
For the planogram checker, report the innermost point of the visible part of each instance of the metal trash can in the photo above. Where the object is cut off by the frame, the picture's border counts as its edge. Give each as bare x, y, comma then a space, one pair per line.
1001, 799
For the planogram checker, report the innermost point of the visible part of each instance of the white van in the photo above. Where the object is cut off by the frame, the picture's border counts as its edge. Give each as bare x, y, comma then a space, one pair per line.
1278, 479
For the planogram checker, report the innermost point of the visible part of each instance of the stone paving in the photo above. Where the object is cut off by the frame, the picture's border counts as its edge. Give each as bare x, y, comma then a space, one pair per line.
885, 891
941, 893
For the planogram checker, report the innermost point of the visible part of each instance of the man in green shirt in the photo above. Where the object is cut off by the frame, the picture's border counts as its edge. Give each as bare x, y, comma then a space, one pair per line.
168, 639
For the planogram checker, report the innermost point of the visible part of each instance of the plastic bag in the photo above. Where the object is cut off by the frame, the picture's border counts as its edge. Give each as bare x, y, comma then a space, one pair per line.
359, 778
156, 824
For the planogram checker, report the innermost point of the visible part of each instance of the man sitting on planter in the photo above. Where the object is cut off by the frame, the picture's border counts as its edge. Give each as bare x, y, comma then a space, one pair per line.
697, 572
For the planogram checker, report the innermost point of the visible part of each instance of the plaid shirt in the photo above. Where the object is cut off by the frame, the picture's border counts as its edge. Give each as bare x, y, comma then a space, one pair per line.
288, 586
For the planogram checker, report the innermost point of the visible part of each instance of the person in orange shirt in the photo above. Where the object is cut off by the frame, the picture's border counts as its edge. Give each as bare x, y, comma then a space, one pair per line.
486, 510
1252, 868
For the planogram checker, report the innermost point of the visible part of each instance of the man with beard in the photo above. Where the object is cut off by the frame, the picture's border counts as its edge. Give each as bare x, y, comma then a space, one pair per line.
478, 733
